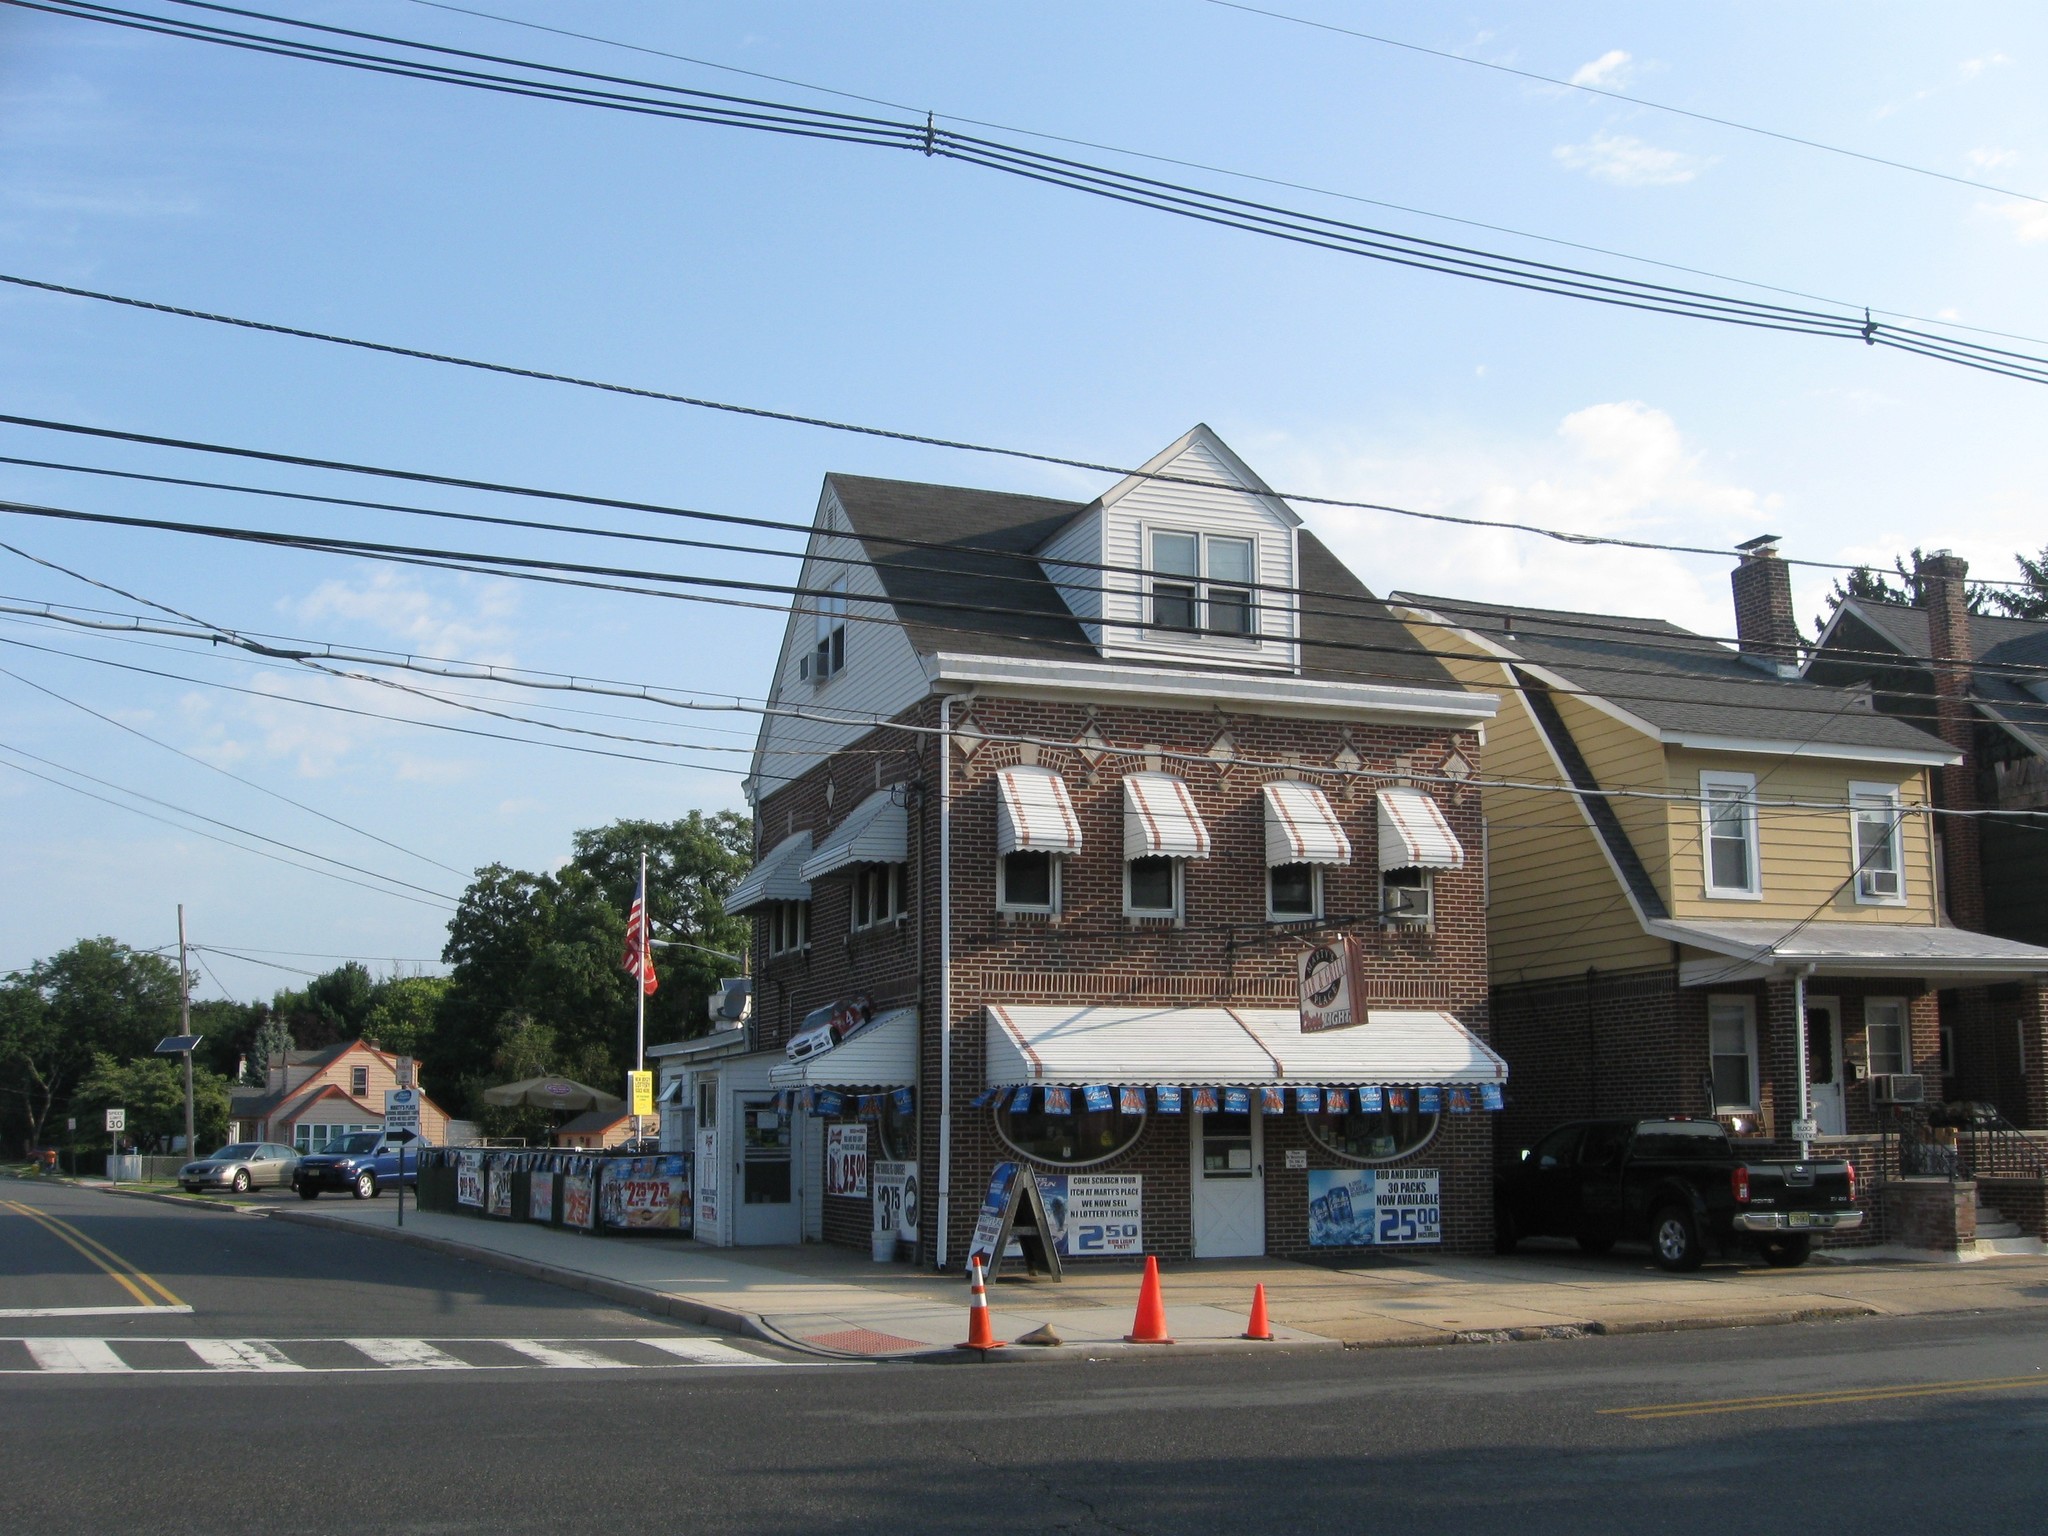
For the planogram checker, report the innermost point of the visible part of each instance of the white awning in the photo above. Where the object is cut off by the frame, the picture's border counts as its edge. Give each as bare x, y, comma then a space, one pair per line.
1160, 819
775, 878
1743, 949
1035, 813
1302, 827
1414, 834
877, 831
1229, 1047
882, 1055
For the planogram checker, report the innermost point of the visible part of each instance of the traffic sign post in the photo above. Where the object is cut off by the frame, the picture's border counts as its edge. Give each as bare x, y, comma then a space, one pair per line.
117, 1121
402, 1114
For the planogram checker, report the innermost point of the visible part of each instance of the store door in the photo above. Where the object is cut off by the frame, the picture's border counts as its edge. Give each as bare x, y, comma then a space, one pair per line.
1824, 1065
1229, 1205
765, 1210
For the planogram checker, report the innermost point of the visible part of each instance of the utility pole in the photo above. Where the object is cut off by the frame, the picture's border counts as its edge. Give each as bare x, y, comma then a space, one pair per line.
185, 1029
646, 955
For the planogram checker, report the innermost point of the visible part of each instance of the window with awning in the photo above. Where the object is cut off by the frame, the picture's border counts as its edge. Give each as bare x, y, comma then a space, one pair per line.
1160, 819
1414, 833
877, 831
1302, 826
1034, 813
775, 878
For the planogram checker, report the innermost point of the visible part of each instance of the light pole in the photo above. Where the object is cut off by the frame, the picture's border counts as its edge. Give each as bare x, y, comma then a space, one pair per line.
185, 1027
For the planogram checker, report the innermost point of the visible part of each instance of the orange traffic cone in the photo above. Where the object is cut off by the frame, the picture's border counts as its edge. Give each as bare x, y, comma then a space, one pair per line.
981, 1333
1149, 1326
1258, 1327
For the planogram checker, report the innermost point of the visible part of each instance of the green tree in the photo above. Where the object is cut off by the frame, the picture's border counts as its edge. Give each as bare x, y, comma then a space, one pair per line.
2030, 601
98, 995
1875, 586
402, 1016
152, 1090
273, 1038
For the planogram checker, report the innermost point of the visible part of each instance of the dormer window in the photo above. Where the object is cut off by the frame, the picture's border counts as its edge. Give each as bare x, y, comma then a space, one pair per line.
1203, 582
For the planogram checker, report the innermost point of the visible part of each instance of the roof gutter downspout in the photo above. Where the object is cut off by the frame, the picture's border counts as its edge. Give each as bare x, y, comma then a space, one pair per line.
945, 977
1805, 1121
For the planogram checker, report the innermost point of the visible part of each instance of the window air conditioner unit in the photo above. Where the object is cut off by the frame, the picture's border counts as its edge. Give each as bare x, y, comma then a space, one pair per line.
1898, 1088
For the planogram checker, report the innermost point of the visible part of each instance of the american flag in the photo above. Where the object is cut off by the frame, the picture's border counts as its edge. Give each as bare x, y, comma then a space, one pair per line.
639, 956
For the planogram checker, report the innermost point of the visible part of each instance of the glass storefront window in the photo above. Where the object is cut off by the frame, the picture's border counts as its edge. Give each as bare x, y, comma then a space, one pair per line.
897, 1132
1085, 1136
1373, 1136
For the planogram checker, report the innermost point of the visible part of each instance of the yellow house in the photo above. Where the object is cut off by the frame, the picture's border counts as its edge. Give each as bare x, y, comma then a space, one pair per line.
1707, 877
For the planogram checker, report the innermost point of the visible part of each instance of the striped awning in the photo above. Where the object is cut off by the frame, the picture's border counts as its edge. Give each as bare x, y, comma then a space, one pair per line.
1414, 834
1302, 827
1160, 819
1034, 813
775, 878
877, 831
1237, 1047
880, 1054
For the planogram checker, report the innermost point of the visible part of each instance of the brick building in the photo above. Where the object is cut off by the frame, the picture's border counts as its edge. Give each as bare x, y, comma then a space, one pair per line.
1051, 799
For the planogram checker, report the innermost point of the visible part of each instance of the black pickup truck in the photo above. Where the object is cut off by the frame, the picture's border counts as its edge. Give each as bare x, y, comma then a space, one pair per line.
1673, 1183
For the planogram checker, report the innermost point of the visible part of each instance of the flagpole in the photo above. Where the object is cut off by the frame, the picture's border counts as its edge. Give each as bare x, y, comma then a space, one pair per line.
640, 987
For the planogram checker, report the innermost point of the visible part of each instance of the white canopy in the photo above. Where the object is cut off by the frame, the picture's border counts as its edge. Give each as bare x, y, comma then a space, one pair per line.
882, 1055
1034, 813
1414, 834
877, 831
1302, 827
775, 878
1235, 1047
1160, 819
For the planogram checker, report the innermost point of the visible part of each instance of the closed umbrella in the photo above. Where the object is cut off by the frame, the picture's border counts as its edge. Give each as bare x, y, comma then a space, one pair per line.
551, 1092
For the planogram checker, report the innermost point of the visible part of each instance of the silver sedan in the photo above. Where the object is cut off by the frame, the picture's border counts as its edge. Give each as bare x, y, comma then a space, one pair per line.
241, 1167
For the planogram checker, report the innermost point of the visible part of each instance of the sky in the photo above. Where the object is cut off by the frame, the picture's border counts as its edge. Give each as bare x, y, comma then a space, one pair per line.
918, 294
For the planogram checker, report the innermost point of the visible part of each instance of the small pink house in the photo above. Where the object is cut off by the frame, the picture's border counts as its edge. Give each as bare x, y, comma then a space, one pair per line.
310, 1097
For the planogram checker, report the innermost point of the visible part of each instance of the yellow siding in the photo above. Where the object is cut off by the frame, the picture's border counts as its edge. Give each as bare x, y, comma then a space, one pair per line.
1806, 855
1623, 758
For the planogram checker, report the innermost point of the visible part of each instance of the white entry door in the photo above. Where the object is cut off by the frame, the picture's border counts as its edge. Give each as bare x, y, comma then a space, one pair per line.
1824, 1065
1229, 1204
764, 1195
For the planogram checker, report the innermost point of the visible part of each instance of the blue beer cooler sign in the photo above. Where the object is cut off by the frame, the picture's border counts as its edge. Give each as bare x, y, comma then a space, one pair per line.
1374, 1207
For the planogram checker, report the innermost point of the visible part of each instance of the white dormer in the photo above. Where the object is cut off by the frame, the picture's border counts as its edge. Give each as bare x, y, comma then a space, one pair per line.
1217, 551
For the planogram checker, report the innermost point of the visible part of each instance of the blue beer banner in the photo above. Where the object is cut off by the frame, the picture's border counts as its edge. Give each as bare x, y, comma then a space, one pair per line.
1205, 1101
830, 1103
1309, 1100
1273, 1099
986, 1097
1097, 1097
1237, 1101
1131, 1100
1020, 1101
1461, 1099
1337, 1101
1400, 1100
1432, 1099
1490, 1096
1167, 1097
1370, 1100
903, 1100
1059, 1101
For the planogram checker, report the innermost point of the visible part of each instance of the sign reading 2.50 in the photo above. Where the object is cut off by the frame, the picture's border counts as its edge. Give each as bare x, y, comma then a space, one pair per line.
1104, 1237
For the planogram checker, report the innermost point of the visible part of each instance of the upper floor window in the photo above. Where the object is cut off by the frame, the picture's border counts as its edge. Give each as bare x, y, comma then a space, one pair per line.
1880, 867
1028, 881
1294, 892
1884, 1026
358, 1081
1203, 582
788, 925
828, 655
1728, 828
1152, 887
877, 894
1405, 895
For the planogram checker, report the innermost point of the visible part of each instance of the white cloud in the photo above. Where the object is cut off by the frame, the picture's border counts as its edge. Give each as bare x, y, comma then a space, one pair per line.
1970, 69
1628, 162
1609, 72
2029, 221
397, 606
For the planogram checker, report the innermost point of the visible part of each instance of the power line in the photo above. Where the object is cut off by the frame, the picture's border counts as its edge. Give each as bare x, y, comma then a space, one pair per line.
1621, 96
697, 106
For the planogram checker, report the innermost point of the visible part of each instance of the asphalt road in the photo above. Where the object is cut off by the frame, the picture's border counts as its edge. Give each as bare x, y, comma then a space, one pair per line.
1851, 1426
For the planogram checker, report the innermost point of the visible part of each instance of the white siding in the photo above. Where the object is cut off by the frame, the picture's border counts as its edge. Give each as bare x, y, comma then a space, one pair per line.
882, 676
1081, 539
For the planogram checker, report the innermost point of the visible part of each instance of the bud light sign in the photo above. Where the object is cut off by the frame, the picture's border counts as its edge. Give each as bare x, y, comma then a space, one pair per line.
1373, 1208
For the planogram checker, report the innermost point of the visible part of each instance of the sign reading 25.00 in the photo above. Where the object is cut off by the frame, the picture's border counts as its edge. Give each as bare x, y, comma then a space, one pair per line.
1372, 1208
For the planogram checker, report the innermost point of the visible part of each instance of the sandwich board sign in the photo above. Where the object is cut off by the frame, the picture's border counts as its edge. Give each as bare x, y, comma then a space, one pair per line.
402, 1110
1013, 1193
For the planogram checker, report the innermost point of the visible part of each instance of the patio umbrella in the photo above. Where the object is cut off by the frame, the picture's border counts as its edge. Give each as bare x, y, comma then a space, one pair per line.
551, 1092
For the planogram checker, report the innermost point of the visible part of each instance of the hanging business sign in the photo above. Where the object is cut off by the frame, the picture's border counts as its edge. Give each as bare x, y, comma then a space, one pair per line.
402, 1110
540, 1198
1332, 993
1094, 1215
640, 1093
1373, 1208
469, 1178
846, 1160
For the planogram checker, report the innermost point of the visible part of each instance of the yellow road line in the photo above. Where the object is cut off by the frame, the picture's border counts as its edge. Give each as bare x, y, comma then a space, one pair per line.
114, 1265
1645, 1411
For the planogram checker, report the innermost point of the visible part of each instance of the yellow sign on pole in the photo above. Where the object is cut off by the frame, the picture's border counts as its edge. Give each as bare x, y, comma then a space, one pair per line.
640, 1090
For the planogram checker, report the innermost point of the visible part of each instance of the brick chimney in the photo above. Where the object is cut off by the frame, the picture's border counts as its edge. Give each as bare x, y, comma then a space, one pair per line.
1765, 627
1941, 580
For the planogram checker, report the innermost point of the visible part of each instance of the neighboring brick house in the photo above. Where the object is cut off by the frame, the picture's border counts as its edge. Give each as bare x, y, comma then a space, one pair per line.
1140, 755
602, 1128
1981, 683
1746, 847
309, 1097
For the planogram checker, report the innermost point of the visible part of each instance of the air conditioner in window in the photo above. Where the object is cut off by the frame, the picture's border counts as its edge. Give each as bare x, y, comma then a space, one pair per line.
1898, 1088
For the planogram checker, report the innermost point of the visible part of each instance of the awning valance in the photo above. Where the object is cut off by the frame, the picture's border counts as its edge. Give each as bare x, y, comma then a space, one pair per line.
775, 878
1160, 819
1414, 834
1302, 827
1229, 1047
877, 831
883, 1054
1034, 813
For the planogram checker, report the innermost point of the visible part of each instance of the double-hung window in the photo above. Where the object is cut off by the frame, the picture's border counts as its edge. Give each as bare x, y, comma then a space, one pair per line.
789, 926
1731, 1047
1884, 1029
358, 1081
828, 656
1728, 832
877, 894
1880, 865
1203, 582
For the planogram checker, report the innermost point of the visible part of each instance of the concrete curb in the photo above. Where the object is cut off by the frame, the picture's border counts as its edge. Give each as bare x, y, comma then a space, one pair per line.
1825, 1313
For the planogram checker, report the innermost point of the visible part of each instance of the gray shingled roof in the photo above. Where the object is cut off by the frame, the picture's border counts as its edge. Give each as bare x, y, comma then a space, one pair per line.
1993, 640
1679, 681
966, 600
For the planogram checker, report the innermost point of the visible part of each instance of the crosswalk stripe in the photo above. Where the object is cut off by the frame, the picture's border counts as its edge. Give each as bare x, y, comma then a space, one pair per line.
93, 1355
242, 1355
705, 1352
408, 1354
561, 1356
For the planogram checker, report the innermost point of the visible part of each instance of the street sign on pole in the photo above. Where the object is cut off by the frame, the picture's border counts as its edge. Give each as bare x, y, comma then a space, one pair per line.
117, 1120
641, 1086
402, 1110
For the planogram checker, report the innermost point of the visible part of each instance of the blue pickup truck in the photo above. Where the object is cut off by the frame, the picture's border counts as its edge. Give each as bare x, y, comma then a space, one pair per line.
362, 1163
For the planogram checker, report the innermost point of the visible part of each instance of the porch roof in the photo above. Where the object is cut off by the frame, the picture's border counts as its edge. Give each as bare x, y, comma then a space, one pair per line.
1745, 949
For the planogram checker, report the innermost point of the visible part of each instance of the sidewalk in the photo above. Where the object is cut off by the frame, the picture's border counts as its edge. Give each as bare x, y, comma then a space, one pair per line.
836, 1301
